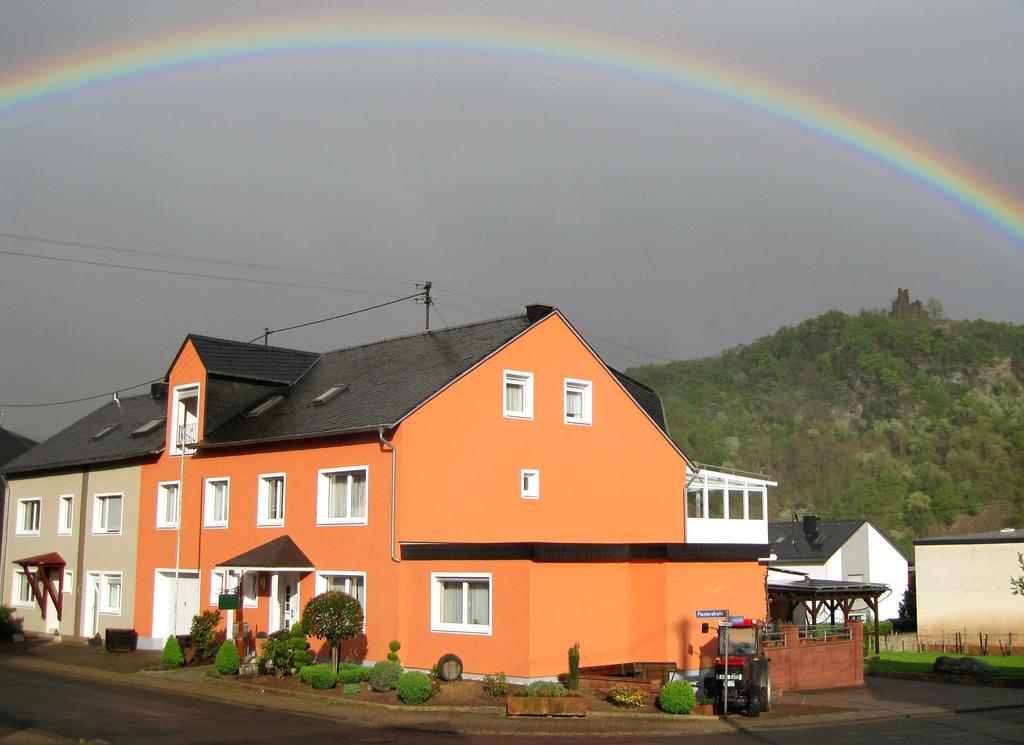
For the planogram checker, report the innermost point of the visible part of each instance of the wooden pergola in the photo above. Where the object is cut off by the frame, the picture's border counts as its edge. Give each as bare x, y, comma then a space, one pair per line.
816, 595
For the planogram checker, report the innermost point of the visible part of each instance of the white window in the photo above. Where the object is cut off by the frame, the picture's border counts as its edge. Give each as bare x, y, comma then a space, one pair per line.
215, 503
69, 582
167, 503
250, 581
222, 582
529, 483
110, 593
22, 590
579, 401
185, 419
342, 496
517, 395
461, 603
66, 515
271, 500
28, 516
350, 583
106, 515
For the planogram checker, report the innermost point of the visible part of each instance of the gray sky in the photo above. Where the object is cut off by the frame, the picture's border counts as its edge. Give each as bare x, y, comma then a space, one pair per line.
654, 218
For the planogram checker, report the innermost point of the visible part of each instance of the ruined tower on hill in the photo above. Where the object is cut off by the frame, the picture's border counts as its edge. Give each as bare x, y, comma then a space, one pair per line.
902, 307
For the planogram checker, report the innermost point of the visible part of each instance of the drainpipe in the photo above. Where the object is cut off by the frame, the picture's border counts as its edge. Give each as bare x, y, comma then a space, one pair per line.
394, 465
5, 493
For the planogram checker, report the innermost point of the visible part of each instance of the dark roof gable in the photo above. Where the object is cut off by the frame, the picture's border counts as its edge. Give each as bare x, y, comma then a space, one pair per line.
790, 544
249, 361
12, 445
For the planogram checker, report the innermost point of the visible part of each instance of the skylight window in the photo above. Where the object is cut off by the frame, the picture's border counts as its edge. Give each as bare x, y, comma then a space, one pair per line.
149, 427
104, 432
330, 393
266, 406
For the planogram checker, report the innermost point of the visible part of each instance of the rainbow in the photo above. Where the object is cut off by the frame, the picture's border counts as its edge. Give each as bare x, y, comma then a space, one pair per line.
897, 153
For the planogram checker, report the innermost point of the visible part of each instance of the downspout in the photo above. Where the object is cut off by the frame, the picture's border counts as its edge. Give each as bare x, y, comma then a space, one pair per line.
5, 493
394, 467
81, 581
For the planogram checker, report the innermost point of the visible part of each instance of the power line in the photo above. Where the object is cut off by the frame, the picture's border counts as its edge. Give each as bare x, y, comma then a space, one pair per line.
334, 318
79, 400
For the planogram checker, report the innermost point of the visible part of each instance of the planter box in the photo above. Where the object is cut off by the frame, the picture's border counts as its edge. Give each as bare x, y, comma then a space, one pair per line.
545, 706
121, 640
704, 710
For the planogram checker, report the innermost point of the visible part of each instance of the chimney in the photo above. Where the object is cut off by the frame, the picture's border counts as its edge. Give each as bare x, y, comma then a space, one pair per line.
810, 527
158, 390
537, 311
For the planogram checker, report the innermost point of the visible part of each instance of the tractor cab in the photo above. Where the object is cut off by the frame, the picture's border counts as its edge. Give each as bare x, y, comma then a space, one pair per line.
740, 680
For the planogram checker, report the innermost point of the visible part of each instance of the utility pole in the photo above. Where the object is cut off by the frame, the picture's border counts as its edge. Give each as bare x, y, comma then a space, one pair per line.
427, 302
266, 334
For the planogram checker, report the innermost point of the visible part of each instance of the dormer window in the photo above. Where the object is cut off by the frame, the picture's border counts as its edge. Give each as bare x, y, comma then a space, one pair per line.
149, 427
518, 395
185, 420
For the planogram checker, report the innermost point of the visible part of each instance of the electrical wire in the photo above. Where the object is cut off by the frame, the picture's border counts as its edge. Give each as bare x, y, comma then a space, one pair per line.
79, 400
334, 318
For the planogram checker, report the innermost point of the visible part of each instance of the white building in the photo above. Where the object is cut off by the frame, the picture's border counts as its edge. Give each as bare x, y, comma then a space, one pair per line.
726, 507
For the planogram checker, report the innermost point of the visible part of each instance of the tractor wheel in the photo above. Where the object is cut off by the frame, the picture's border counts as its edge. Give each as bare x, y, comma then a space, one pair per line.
755, 704
766, 686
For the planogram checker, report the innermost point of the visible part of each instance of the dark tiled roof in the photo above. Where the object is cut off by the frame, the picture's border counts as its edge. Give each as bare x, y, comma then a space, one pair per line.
12, 445
280, 553
789, 543
385, 381
998, 536
76, 446
649, 400
236, 359
810, 588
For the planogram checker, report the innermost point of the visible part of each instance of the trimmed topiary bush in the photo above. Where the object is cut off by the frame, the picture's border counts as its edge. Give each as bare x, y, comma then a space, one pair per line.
413, 688
351, 688
307, 671
333, 616
351, 673
172, 653
572, 681
394, 645
228, 661
384, 676
677, 697
320, 677
300, 647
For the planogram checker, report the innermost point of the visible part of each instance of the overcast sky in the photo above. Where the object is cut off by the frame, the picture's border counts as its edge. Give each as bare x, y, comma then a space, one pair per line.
655, 219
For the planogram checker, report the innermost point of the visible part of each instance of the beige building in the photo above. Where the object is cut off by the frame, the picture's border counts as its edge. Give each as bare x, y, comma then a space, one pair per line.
71, 523
963, 585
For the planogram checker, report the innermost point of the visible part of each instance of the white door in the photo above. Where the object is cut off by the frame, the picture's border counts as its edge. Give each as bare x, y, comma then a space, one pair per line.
91, 617
169, 618
286, 600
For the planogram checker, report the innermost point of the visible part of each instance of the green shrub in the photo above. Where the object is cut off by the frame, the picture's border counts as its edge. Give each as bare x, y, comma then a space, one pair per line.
627, 696
204, 633
321, 677
9, 625
278, 653
351, 688
413, 688
384, 676
228, 661
394, 645
349, 673
677, 697
307, 671
172, 653
545, 688
297, 631
573, 680
300, 647
496, 685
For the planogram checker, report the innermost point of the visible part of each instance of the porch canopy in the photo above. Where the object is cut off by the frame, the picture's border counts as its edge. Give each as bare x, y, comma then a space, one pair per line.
279, 555
817, 594
37, 569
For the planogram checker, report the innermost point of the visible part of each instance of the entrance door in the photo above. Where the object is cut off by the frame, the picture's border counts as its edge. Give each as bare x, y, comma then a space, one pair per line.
91, 617
286, 599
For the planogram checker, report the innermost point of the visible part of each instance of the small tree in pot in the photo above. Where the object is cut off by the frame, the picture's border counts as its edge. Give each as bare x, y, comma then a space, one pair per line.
334, 616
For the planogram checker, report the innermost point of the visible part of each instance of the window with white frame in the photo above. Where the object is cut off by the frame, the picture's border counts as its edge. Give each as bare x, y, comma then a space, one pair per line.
215, 503
28, 516
695, 503
106, 515
755, 504
350, 583
461, 603
529, 483
185, 419
222, 582
250, 581
517, 394
22, 590
69, 582
110, 592
66, 515
579, 401
167, 501
271, 500
342, 496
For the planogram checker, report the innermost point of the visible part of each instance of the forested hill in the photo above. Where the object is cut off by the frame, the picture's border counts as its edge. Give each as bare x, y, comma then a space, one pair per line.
917, 425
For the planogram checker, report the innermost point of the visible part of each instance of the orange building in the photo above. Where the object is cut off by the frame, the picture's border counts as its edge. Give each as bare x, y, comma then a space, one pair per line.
492, 490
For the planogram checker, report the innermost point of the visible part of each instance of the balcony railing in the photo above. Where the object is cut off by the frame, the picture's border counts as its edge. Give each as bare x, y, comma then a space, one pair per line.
187, 436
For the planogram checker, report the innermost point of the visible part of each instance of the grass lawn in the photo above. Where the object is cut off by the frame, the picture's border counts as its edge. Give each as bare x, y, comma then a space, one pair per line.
921, 662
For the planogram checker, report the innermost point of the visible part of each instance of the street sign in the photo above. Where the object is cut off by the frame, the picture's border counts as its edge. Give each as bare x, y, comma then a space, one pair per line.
712, 614
735, 619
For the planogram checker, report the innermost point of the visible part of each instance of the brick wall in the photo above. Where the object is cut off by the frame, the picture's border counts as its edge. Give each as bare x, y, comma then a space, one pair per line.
804, 665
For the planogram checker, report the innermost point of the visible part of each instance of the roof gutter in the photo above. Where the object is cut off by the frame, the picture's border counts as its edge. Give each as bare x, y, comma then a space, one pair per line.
394, 467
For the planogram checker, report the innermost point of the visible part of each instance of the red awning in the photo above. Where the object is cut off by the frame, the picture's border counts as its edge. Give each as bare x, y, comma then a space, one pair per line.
52, 559
42, 564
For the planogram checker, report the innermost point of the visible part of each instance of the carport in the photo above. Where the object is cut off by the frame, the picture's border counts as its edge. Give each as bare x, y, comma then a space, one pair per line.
816, 595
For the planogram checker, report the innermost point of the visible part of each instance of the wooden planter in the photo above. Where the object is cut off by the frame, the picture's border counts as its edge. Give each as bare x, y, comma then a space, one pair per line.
545, 706
121, 640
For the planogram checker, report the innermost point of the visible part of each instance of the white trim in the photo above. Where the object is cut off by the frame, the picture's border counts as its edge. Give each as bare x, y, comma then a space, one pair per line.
18, 529
226, 587
172, 440
161, 505
208, 521
460, 628
255, 603
16, 600
105, 577
526, 380
69, 581
96, 513
323, 492
261, 500
531, 489
70, 514
586, 387
320, 584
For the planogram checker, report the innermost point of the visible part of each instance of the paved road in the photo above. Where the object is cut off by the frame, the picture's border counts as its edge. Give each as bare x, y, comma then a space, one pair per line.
38, 702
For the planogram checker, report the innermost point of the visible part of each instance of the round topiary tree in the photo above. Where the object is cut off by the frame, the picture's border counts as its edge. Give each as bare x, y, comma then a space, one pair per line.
172, 653
413, 687
228, 661
334, 616
677, 697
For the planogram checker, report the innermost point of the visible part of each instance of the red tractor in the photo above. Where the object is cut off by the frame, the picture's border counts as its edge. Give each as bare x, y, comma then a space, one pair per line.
741, 679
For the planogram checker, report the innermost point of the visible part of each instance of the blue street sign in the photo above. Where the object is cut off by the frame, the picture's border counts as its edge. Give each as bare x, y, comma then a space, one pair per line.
735, 619
712, 613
